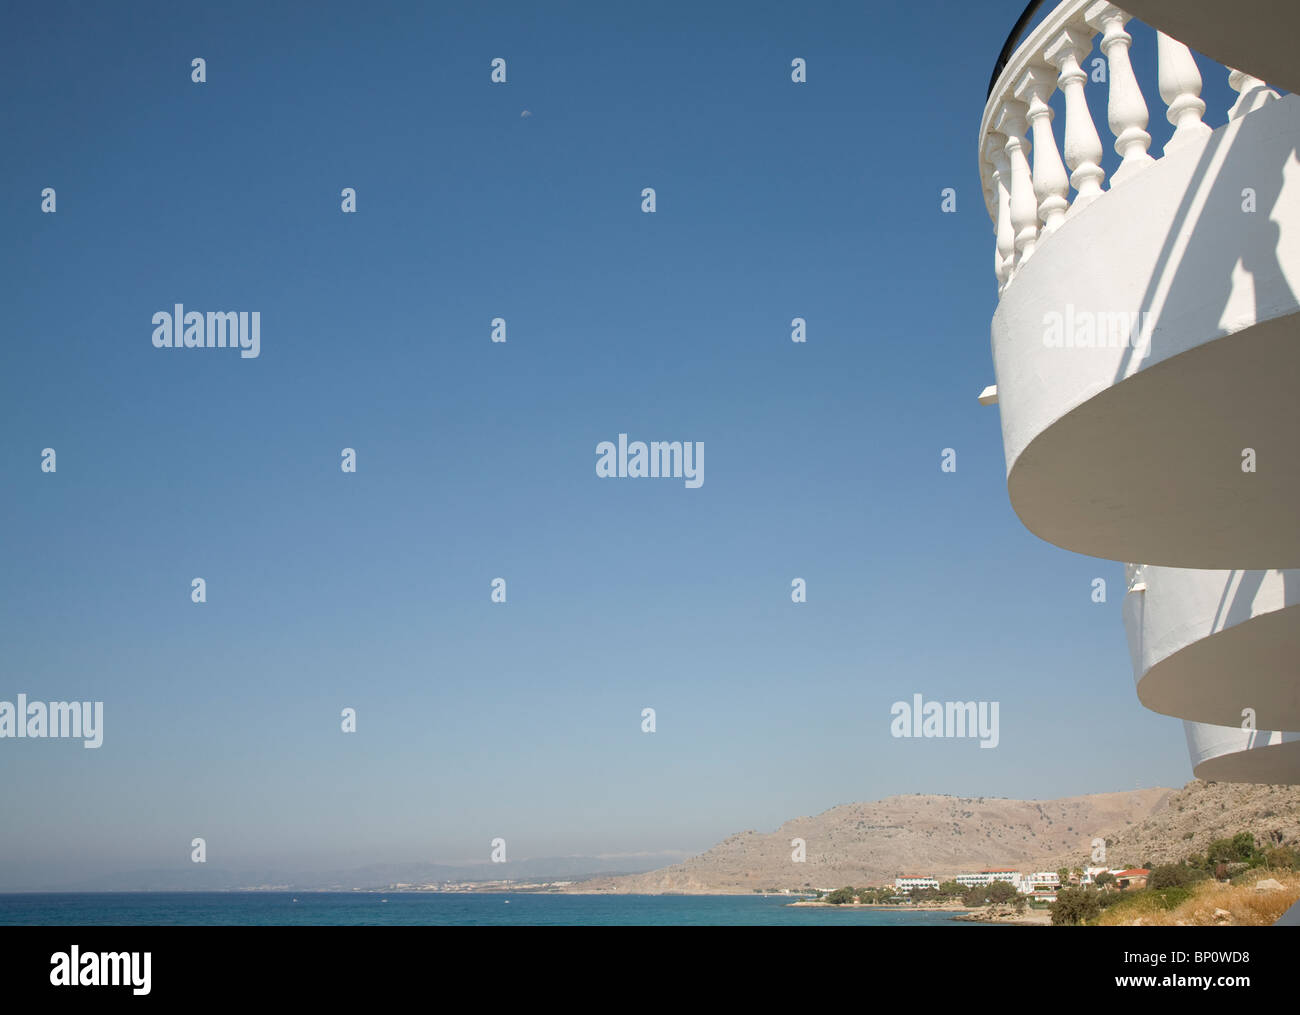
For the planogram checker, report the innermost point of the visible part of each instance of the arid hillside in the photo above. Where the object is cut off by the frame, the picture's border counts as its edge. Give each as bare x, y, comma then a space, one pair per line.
1195, 816
872, 843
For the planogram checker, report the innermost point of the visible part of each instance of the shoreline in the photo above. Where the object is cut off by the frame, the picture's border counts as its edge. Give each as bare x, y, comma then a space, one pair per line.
982, 914
1029, 918
878, 905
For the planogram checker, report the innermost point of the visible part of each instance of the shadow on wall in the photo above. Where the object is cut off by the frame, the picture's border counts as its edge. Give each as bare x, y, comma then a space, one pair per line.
1241, 608
1214, 259
1239, 593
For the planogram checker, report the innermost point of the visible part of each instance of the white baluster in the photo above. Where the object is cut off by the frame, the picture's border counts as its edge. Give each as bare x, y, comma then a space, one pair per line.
1082, 145
1127, 110
1251, 93
1180, 87
1004, 253
1023, 205
1051, 185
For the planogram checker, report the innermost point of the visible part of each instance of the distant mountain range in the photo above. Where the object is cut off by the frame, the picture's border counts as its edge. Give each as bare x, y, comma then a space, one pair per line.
206, 877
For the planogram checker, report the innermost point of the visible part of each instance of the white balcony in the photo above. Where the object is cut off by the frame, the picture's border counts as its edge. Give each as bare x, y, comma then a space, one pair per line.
1216, 647
1231, 754
1137, 443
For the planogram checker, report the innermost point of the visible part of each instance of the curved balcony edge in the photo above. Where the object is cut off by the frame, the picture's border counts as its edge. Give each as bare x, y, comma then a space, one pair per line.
1230, 754
1216, 647
1262, 42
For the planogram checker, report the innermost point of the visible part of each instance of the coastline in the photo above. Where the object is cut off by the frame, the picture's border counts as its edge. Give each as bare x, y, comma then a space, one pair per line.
982, 914
937, 908
1009, 918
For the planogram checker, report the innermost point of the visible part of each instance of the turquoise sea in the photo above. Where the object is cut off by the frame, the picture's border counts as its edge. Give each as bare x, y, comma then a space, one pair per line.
410, 909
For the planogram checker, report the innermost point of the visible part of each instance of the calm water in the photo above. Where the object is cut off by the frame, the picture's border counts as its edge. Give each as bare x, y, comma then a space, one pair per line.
336, 908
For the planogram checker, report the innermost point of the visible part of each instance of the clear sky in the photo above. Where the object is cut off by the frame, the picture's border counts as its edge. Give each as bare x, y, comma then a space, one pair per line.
475, 459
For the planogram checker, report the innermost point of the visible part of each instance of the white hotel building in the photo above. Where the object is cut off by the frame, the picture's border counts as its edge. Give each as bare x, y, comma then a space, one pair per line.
1026, 884
987, 877
1171, 447
908, 883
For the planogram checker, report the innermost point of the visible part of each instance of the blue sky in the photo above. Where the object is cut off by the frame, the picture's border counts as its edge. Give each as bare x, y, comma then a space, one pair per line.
476, 459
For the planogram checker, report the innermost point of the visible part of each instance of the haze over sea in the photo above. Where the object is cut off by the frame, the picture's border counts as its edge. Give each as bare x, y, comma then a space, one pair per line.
429, 909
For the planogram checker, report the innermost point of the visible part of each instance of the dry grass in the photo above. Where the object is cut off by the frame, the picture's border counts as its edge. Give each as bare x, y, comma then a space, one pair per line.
1245, 906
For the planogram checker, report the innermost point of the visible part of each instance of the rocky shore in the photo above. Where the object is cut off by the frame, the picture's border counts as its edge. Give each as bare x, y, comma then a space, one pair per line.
1009, 916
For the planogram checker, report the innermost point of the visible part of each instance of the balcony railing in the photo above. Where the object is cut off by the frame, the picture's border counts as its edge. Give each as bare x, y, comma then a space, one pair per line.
1028, 203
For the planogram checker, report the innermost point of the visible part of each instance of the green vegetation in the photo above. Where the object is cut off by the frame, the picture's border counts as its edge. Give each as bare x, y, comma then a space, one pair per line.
998, 893
1282, 858
1227, 858
1075, 906
840, 896
1001, 892
1239, 849
1136, 903
1170, 885
1174, 875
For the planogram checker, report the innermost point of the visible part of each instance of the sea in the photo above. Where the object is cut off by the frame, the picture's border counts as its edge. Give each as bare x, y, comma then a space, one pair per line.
411, 909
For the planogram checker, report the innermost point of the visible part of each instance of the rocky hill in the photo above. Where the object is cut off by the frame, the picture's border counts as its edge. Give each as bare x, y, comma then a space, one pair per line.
872, 843
1193, 817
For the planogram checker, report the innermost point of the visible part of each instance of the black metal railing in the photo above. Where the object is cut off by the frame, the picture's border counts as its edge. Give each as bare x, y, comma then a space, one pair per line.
1013, 40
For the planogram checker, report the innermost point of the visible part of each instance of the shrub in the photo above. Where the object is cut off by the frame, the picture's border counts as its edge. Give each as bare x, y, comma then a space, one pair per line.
1001, 891
840, 896
1282, 858
1240, 848
1074, 906
1173, 875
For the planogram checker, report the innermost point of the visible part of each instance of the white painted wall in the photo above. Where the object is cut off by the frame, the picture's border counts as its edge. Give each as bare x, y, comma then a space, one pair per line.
1206, 645
1142, 472
1229, 754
